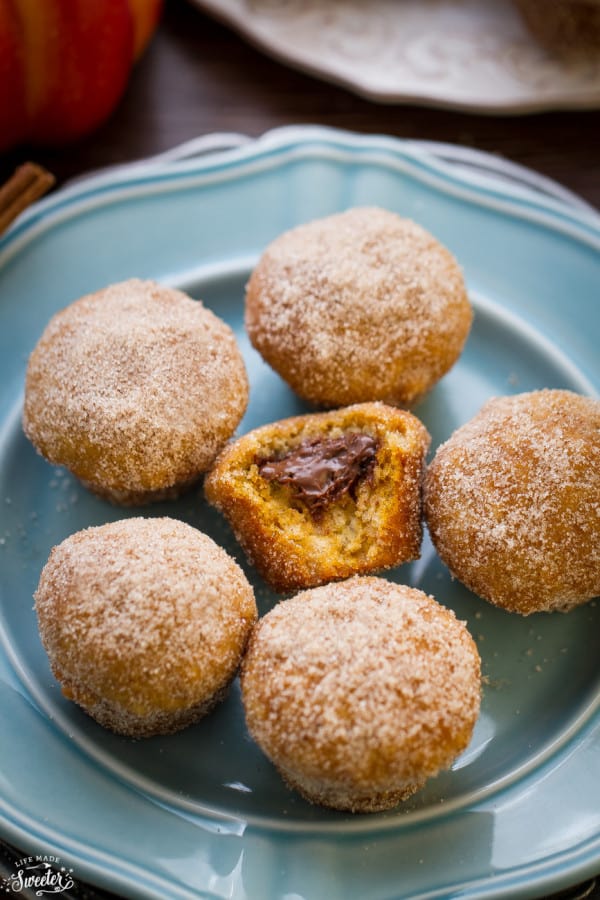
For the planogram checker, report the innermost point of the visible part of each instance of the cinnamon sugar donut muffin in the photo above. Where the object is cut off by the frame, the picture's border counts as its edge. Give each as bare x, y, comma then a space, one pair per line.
360, 691
359, 306
324, 496
144, 622
512, 501
135, 389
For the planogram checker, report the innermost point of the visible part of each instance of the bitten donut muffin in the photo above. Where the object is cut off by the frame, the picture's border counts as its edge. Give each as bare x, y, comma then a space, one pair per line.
360, 691
135, 389
320, 497
512, 501
144, 622
359, 306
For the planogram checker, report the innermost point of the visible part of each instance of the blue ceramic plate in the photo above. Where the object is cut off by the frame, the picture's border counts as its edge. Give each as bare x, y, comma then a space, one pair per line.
202, 813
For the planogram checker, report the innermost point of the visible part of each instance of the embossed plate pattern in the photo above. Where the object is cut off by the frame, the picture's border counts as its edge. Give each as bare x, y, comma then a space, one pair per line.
473, 55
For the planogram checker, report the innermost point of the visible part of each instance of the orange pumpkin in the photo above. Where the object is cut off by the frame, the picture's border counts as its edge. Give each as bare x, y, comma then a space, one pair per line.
64, 64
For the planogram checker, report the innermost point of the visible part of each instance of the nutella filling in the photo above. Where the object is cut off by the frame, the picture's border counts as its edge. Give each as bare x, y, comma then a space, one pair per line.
321, 470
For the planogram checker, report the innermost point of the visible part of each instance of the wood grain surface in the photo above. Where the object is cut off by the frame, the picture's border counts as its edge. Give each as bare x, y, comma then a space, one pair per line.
197, 77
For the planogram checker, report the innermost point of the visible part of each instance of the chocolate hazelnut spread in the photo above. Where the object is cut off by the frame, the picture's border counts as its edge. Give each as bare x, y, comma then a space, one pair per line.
321, 470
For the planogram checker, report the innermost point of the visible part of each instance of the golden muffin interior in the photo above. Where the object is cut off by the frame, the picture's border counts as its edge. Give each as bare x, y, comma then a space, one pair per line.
323, 496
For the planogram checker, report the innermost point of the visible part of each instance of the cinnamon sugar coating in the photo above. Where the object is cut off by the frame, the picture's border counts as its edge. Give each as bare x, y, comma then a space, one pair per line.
358, 306
144, 622
512, 501
135, 389
367, 514
360, 691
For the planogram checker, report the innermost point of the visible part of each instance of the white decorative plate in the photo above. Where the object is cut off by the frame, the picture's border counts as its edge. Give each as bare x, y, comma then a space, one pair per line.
474, 55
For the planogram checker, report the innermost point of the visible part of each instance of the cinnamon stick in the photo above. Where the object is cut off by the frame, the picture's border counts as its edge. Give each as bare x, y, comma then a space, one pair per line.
28, 183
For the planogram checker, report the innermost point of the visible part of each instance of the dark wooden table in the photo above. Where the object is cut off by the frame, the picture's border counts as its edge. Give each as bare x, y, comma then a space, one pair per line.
198, 77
